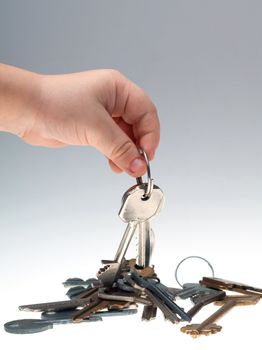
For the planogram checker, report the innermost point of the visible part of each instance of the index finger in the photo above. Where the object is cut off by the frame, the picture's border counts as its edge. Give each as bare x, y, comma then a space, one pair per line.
137, 109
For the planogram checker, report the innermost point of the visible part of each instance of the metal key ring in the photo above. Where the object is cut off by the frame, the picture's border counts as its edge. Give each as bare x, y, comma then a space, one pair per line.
150, 181
190, 257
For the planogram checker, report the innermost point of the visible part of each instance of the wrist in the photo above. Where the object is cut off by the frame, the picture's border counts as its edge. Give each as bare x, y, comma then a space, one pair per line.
20, 96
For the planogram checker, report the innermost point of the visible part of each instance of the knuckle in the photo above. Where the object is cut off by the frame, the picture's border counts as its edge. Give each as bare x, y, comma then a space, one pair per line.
154, 109
121, 151
114, 73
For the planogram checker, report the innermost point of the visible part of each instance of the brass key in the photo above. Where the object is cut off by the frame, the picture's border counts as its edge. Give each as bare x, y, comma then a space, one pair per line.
208, 326
231, 285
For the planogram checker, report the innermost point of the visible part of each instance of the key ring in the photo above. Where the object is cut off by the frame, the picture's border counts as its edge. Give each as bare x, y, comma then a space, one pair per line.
150, 181
192, 257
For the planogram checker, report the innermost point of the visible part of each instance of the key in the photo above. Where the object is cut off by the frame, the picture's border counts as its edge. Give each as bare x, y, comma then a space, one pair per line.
149, 312
230, 285
87, 311
70, 313
99, 305
136, 207
75, 282
148, 271
74, 292
133, 210
145, 233
209, 329
145, 244
167, 312
194, 289
202, 301
168, 290
239, 300
109, 273
83, 299
29, 326
151, 288
119, 305
56, 306
88, 293
131, 297
139, 209
122, 285
145, 240
208, 326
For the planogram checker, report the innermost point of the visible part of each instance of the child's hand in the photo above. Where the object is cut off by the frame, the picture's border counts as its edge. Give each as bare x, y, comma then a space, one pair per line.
101, 108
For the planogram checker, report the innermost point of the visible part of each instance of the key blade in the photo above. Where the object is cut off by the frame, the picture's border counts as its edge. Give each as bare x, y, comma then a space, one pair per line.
144, 244
230, 285
55, 306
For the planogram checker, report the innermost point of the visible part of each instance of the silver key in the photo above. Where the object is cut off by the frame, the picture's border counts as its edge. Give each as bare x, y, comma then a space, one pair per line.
141, 210
134, 209
145, 244
145, 233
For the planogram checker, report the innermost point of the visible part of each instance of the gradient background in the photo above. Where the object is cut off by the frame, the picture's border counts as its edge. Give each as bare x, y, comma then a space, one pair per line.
201, 63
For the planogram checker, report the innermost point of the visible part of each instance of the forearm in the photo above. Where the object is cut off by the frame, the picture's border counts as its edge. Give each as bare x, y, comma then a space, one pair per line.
19, 96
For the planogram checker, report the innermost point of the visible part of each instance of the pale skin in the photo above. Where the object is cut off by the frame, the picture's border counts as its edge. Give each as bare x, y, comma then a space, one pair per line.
100, 108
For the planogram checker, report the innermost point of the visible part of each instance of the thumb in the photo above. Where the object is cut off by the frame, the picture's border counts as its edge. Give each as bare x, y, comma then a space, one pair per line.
116, 145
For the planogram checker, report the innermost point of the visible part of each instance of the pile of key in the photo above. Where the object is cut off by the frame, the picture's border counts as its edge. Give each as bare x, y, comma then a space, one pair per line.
121, 284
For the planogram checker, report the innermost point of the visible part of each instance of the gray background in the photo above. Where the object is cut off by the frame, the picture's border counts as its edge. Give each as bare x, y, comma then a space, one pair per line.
201, 63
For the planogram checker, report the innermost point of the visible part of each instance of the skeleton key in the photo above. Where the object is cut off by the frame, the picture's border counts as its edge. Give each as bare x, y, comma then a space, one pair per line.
151, 288
119, 305
130, 297
202, 301
29, 326
208, 326
97, 305
230, 285
60, 315
56, 306
194, 289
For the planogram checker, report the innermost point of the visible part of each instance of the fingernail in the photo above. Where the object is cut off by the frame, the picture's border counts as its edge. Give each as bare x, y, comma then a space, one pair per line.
137, 165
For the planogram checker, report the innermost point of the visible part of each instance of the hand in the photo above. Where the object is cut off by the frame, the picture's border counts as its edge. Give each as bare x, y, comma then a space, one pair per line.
101, 108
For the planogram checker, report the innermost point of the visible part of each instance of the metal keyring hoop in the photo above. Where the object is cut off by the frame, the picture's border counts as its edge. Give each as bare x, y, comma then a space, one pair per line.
150, 181
190, 257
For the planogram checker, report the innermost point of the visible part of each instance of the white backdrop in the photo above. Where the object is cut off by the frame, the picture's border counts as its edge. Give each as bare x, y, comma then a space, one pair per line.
200, 61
